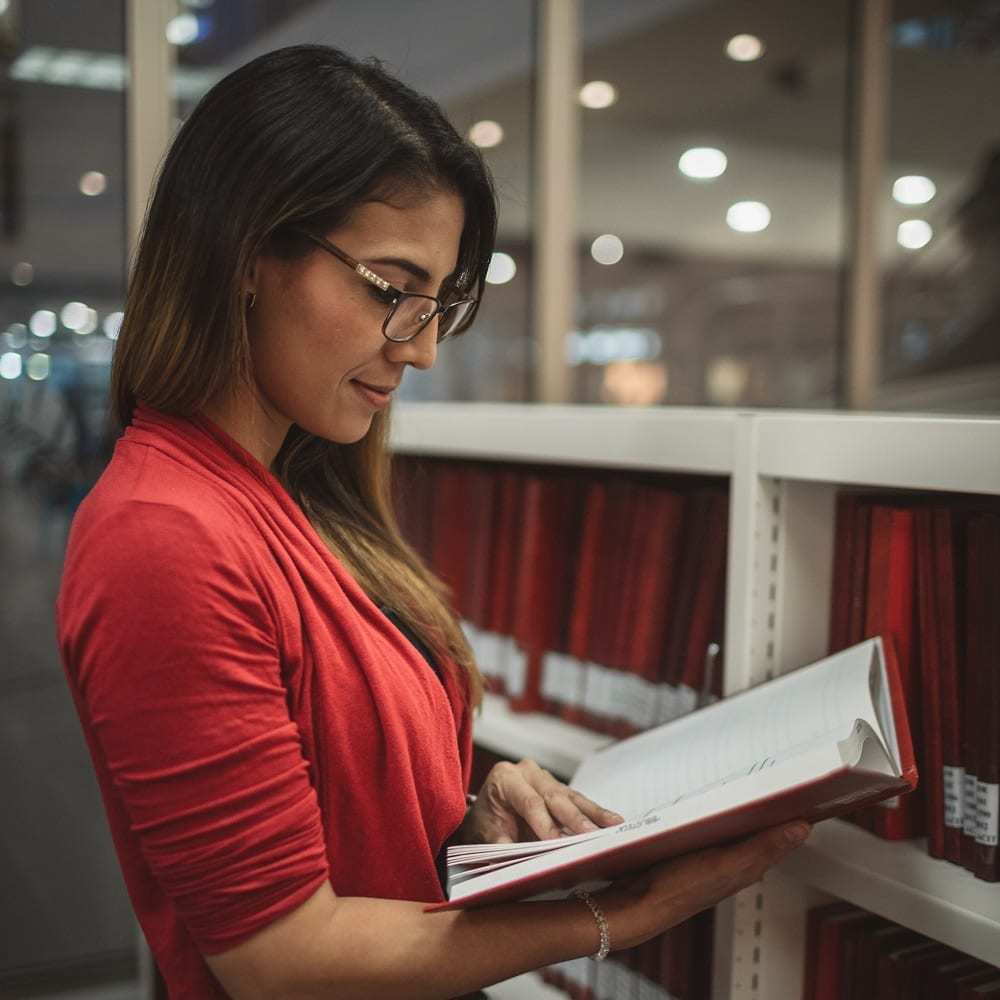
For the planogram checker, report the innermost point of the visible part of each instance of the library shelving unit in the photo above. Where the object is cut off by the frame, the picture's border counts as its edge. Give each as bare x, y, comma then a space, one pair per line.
784, 470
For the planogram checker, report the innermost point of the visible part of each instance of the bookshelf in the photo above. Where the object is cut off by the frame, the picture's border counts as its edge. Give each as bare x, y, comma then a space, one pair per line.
784, 469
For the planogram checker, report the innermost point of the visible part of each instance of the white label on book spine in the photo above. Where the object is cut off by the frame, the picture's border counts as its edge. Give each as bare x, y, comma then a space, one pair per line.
969, 806
987, 813
515, 669
954, 789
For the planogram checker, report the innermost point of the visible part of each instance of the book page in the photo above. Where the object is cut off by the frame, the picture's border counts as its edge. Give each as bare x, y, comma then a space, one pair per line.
734, 737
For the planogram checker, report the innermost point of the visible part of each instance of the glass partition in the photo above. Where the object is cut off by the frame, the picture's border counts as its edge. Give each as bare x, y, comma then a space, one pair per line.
712, 210
63, 908
940, 230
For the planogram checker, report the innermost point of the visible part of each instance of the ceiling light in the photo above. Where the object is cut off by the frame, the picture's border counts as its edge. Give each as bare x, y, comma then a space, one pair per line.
182, 29
93, 183
703, 163
744, 48
748, 216
913, 234
607, 249
486, 134
598, 94
502, 268
913, 189
10, 365
42, 323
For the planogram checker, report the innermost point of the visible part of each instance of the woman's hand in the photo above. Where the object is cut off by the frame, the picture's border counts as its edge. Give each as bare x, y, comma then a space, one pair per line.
524, 802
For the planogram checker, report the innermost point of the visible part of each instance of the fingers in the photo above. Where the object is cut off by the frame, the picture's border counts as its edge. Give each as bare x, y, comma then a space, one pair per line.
524, 800
672, 891
709, 876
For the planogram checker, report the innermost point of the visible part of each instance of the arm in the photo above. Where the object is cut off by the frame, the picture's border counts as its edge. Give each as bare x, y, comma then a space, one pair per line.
367, 948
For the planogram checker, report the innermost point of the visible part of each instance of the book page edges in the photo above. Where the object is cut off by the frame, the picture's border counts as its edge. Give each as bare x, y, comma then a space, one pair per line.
604, 860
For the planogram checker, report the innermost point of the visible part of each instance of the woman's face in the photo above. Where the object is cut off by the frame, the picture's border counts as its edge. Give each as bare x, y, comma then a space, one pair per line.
319, 357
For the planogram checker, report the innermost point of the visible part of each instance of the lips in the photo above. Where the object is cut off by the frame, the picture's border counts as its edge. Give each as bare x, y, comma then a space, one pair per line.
384, 390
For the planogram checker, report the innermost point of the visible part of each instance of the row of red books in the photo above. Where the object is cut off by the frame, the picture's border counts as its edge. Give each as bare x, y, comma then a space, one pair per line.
674, 966
852, 954
595, 595
925, 570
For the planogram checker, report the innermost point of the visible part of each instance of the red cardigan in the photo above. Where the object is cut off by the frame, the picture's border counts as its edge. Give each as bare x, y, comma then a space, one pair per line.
256, 723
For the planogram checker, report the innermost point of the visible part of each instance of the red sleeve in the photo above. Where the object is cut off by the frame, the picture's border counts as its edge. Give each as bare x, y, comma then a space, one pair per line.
170, 636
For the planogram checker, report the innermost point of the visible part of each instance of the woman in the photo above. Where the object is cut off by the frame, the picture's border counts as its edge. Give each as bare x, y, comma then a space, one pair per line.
276, 696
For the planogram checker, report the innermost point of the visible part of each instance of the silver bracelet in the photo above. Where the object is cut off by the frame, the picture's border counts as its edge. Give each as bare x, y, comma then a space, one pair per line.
602, 924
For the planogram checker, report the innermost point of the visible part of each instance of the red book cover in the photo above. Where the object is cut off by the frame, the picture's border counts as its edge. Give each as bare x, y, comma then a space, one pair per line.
483, 502
848, 551
861, 542
453, 527
986, 854
543, 561
660, 516
698, 516
950, 679
710, 590
502, 566
889, 610
831, 950
815, 918
585, 609
931, 646
975, 613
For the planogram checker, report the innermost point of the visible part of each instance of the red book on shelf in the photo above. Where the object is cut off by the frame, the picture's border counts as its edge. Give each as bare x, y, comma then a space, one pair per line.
889, 610
950, 679
710, 591
815, 918
849, 551
661, 517
483, 501
933, 695
584, 609
975, 613
453, 527
502, 567
548, 526
986, 854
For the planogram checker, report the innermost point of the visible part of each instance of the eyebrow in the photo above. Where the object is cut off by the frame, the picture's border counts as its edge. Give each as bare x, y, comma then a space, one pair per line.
406, 265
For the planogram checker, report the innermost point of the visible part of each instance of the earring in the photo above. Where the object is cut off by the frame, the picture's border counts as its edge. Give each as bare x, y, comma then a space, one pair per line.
251, 299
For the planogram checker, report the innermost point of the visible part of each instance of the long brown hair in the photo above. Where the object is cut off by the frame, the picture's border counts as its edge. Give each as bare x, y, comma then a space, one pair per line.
293, 141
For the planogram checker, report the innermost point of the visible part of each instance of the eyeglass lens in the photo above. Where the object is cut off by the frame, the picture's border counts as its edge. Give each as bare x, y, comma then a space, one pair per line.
414, 312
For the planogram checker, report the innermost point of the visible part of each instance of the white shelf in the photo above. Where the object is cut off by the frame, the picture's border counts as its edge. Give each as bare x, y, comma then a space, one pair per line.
923, 453
553, 743
901, 882
527, 987
691, 440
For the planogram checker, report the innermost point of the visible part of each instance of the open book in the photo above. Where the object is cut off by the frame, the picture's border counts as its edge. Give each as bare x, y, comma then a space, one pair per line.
810, 744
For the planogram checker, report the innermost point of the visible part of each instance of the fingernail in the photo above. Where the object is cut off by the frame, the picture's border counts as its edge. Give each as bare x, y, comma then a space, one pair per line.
797, 833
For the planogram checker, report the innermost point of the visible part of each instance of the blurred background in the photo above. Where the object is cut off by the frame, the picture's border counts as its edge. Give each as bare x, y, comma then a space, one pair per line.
734, 203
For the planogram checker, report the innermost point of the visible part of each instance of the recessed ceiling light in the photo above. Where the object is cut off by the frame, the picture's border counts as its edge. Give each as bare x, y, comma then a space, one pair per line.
913, 189
744, 48
703, 163
486, 133
748, 216
598, 94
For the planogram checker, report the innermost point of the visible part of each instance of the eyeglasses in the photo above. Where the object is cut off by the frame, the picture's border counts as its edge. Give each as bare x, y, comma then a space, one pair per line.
409, 312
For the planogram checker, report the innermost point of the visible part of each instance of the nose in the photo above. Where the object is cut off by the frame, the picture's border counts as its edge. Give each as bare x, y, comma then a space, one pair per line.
420, 352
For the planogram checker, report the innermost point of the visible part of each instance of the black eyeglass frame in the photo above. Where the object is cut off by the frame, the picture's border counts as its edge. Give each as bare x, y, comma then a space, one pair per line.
440, 308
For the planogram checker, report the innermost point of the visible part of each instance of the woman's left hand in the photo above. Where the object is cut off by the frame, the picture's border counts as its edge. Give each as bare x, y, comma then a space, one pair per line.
524, 802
